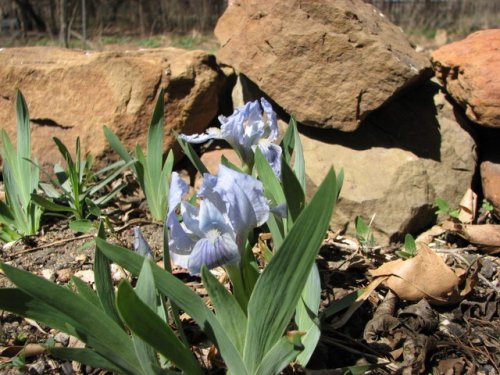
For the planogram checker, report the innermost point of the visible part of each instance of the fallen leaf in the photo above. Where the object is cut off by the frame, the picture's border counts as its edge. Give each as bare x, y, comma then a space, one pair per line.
467, 207
486, 236
428, 236
424, 276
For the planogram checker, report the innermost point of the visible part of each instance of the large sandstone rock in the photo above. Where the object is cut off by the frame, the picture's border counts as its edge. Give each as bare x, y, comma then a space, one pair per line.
330, 63
470, 71
73, 93
410, 152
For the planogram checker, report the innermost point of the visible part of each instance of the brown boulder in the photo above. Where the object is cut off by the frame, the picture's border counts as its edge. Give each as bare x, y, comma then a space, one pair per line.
330, 63
411, 151
470, 71
73, 93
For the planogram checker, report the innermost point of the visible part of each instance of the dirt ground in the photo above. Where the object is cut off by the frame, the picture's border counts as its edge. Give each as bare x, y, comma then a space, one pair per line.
383, 335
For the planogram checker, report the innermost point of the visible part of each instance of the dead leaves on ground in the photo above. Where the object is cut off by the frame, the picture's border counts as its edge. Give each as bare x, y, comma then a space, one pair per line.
425, 276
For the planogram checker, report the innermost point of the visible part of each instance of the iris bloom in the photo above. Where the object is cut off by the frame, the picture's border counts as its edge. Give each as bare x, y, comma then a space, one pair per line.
247, 129
141, 246
214, 233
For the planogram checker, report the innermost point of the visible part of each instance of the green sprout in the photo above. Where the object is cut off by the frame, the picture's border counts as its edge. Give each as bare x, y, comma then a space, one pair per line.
19, 215
77, 189
410, 248
445, 210
364, 234
151, 171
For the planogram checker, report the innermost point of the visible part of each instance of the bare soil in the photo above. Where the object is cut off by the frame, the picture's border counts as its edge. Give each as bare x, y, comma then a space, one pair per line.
457, 339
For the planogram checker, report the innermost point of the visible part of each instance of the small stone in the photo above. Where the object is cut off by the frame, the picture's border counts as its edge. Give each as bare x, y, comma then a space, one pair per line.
62, 338
48, 274
86, 275
81, 258
117, 273
64, 275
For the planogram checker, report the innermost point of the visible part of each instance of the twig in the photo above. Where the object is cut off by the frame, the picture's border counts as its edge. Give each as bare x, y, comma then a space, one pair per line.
84, 236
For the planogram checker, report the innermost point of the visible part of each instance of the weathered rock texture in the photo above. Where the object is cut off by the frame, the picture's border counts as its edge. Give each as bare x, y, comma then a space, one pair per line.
73, 93
330, 63
489, 142
470, 71
410, 152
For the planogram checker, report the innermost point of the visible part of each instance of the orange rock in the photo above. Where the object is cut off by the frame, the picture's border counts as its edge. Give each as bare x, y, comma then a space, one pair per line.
470, 71
329, 63
73, 93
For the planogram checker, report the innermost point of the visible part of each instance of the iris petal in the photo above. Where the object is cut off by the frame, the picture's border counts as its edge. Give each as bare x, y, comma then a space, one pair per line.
180, 242
272, 153
141, 246
213, 252
178, 188
211, 133
232, 185
211, 218
271, 120
190, 218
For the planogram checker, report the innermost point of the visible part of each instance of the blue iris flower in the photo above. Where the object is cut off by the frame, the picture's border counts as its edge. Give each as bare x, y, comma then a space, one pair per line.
214, 233
141, 246
247, 129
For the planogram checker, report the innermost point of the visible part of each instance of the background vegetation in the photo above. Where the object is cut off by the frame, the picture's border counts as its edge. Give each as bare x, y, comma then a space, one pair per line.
457, 17
70, 22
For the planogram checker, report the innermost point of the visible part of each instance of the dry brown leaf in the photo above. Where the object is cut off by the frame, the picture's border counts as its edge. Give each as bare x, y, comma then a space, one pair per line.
468, 206
485, 235
428, 236
423, 276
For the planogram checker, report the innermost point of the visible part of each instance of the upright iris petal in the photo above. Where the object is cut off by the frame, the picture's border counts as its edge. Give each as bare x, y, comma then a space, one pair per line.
246, 129
141, 246
214, 234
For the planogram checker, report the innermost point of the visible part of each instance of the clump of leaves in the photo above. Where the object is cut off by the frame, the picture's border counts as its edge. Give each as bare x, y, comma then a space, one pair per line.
128, 332
19, 215
409, 249
364, 234
77, 189
150, 170
445, 210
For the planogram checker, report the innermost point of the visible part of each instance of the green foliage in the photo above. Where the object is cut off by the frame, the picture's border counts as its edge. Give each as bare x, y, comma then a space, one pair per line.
77, 189
486, 206
364, 234
410, 248
151, 171
445, 210
127, 331
19, 215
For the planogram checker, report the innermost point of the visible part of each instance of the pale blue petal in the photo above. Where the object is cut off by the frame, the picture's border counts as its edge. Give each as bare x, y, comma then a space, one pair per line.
207, 192
244, 197
212, 219
234, 183
141, 246
190, 218
211, 133
272, 153
180, 260
178, 188
213, 252
280, 210
272, 121
180, 241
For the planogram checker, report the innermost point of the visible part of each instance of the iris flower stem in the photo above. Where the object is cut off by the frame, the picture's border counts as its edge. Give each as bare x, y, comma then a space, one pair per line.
240, 293
168, 268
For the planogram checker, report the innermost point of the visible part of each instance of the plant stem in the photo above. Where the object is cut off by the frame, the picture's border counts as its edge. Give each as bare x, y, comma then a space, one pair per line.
168, 268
